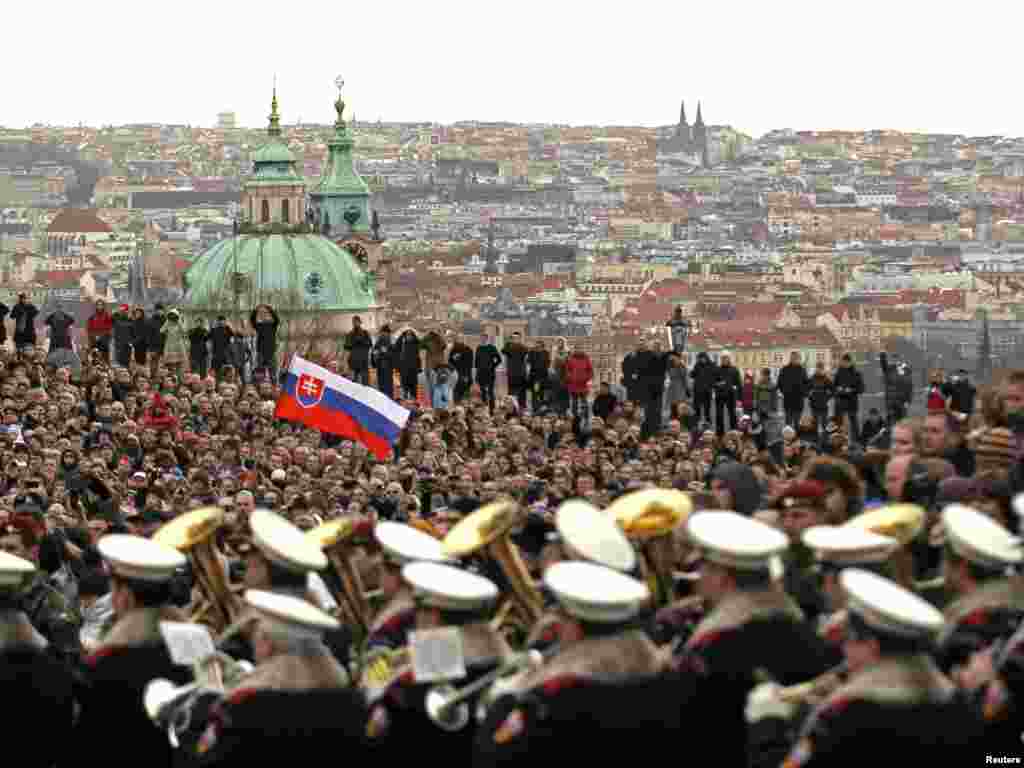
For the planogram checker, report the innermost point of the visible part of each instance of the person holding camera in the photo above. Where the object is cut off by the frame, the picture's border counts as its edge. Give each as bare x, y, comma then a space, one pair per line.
960, 393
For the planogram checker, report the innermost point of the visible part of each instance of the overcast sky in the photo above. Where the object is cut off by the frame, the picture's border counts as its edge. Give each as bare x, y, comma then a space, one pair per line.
808, 65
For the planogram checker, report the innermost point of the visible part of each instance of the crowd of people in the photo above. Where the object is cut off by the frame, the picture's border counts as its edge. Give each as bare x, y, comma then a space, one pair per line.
149, 421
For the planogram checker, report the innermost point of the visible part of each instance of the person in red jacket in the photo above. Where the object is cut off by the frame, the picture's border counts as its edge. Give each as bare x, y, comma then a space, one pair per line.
100, 328
578, 374
748, 392
158, 415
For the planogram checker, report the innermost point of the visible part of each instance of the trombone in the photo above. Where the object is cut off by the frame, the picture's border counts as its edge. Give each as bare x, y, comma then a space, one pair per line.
335, 539
448, 706
489, 528
192, 534
902, 522
648, 518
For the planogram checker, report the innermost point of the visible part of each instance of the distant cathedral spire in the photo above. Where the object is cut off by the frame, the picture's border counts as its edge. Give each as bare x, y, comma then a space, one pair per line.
274, 129
700, 120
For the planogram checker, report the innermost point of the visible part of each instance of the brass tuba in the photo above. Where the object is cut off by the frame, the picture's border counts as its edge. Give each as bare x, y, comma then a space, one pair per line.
335, 539
489, 528
648, 518
901, 522
192, 534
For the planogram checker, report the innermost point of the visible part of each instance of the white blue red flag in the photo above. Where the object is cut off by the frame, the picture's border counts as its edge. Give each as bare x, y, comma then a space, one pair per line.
331, 403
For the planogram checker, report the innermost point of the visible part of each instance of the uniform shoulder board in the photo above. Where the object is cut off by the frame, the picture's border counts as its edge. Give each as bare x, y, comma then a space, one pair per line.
555, 685
240, 695
96, 657
976, 618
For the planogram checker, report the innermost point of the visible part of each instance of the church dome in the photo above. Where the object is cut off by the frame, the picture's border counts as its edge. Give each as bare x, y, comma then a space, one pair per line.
289, 272
273, 152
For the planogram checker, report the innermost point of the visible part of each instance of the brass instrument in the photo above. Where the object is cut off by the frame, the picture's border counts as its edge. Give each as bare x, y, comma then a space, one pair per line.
380, 668
447, 706
648, 518
818, 687
490, 528
170, 707
192, 534
902, 522
334, 538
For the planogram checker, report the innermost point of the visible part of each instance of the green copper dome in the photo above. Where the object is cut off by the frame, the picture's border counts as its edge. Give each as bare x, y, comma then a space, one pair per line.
290, 272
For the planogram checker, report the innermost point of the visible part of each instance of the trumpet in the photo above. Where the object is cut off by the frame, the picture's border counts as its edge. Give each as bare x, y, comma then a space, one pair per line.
448, 707
192, 534
822, 685
172, 707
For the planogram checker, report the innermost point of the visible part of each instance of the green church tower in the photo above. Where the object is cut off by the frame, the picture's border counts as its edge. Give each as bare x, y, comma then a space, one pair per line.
341, 199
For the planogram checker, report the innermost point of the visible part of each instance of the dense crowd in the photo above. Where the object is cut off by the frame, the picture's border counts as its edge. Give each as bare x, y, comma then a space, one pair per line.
146, 421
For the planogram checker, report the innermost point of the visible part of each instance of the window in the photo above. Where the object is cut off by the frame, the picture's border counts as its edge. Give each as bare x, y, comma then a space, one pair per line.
284, 212
266, 212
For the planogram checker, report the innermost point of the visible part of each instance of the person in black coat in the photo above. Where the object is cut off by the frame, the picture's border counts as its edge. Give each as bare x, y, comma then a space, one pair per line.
651, 367
124, 335
704, 374
899, 387
727, 386
4, 311
24, 317
383, 359
139, 336
460, 357
32, 677
960, 391
265, 322
157, 338
629, 377
848, 387
793, 384
133, 654
198, 349
220, 344
896, 700
539, 361
515, 366
752, 629
406, 355
487, 361
358, 345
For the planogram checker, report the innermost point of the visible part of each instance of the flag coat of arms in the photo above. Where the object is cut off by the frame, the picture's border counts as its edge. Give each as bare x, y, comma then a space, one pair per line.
317, 398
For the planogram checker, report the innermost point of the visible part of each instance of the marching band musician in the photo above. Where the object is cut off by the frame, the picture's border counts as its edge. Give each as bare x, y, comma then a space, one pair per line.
995, 679
445, 596
587, 534
131, 654
284, 561
604, 685
400, 544
297, 697
896, 701
836, 548
752, 625
37, 685
988, 604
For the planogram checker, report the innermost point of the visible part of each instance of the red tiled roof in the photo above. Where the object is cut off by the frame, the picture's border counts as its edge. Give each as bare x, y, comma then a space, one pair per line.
60, 277
78, 220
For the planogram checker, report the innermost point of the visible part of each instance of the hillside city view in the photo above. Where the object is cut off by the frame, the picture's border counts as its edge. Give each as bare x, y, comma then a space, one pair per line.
816, 242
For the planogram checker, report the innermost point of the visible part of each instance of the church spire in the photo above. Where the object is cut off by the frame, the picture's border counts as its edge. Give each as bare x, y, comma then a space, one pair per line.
700, 120
682, 112
274, 129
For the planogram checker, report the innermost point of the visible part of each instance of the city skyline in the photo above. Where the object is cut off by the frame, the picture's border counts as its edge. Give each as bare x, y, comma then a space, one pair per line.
784, 66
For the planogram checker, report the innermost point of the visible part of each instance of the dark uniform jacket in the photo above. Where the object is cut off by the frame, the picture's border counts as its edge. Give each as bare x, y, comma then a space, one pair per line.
398, 716
899, 706
39, 691
460, 357
390, 627
287, 707
113, 729
746, 632
793, 382
598, 695
979, 618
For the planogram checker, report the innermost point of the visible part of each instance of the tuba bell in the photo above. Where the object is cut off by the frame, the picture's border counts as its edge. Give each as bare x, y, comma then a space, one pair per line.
193, 535
648, 518
335, 539
489, 529
901, 522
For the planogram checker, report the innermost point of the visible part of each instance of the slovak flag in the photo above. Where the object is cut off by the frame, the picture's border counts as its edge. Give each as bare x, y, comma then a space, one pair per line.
331, 403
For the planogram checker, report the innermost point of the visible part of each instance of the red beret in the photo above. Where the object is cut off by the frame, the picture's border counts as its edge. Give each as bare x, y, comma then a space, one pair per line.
802, 490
